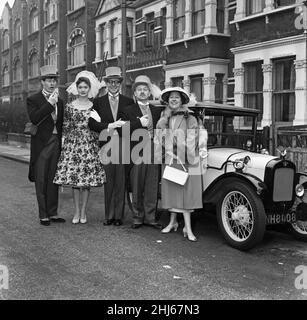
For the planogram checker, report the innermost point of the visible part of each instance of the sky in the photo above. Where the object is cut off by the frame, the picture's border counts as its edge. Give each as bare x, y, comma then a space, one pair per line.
3, 2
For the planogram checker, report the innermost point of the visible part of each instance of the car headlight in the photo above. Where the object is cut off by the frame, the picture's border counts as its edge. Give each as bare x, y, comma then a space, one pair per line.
239, 165
264, 151
299, 190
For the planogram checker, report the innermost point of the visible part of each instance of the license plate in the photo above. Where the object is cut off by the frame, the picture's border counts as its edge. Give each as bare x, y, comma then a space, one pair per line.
281, 218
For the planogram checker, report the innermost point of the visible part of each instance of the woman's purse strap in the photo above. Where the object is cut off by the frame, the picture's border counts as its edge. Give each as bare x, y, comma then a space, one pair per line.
171, 162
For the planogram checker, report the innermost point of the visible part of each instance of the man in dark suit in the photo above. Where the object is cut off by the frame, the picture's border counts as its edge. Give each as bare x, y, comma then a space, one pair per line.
108, 108
45, 109
144, 174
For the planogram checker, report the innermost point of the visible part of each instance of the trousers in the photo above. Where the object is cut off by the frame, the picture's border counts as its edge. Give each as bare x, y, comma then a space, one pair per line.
45, 167
144, 180
114, 191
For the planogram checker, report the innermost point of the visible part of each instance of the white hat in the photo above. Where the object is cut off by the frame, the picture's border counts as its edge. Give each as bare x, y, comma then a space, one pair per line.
49, 71
184, 95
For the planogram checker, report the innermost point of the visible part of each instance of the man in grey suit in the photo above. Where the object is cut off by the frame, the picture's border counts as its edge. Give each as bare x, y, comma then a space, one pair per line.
144, 176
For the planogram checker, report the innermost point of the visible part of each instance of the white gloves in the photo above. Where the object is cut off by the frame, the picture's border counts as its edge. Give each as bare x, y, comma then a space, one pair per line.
53, 99
117, 124
95, 116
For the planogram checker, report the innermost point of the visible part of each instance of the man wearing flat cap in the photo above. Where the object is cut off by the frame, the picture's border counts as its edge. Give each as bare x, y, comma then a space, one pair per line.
45, 110
108, 108
144, 175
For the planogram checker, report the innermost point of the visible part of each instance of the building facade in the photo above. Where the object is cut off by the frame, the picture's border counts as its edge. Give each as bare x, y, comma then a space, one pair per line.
241, 52
174, 42
38, 32
270, 71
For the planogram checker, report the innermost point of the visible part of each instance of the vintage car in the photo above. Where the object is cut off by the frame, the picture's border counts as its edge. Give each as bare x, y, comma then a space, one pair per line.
248, 188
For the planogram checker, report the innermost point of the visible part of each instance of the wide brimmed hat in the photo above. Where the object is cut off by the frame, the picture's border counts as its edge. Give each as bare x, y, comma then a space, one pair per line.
142, 80
166, 93
113, 73
49, 72
96, 85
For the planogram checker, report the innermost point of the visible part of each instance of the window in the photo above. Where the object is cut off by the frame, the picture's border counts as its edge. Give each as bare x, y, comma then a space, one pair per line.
52, 54
284, 89
51, 11
220, 16
198, 16
163, 10
6, 40
179, 19
76, 52
113, 37
281, 3
103, 37
33, 65
150, 29
253, 7
219, 88
253, 86
196, 86
34, 21
129, 36
75, 4
177, 82
5, 76
17, 30
17, 73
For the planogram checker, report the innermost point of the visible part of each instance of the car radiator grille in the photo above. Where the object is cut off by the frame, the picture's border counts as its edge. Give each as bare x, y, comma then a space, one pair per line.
283, 185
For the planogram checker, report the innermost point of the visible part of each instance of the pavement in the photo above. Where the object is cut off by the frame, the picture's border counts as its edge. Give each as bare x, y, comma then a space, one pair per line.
16, 153
86, 262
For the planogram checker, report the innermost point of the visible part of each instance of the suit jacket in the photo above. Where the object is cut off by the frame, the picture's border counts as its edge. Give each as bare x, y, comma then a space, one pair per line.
103, 108
132, 114
38, 108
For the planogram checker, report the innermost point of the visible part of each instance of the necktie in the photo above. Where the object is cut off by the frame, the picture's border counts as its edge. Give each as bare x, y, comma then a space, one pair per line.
146, 111
114, 105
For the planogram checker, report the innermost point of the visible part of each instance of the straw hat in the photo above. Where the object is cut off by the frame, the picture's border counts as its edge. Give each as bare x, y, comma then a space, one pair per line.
49, 71
113, 73
184, 95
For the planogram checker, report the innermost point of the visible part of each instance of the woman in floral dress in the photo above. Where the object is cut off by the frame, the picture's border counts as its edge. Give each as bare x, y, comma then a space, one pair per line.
79, 165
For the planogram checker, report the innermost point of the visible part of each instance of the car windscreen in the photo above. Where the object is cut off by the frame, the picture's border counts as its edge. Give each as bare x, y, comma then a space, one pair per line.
229, 131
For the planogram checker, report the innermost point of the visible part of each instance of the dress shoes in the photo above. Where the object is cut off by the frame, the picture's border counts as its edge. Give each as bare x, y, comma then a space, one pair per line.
117, 222
157, 226
136, 226
108, 222
58, 220
45, 222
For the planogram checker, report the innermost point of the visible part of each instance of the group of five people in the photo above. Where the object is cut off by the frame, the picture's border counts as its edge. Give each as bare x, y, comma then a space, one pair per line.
68, 149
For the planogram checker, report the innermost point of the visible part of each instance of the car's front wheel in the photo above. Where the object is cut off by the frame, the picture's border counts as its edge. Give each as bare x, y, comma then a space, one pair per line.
299, 230
241, 215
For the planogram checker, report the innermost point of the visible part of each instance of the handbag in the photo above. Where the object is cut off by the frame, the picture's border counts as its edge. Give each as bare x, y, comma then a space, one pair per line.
31, 128
176, 175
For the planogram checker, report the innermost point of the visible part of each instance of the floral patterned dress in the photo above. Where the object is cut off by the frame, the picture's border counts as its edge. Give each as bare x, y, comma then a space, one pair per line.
79, 164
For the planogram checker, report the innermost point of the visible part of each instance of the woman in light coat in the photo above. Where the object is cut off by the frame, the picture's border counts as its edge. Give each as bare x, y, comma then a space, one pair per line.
181, 141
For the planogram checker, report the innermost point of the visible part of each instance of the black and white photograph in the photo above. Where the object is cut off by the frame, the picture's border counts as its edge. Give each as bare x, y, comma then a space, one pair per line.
153, 153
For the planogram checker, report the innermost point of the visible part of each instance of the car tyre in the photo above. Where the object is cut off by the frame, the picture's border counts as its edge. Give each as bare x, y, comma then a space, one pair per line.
299, 230
241, 215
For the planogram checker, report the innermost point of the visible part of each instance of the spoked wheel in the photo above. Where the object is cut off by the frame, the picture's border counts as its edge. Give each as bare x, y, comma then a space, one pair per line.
299, 230
241, 216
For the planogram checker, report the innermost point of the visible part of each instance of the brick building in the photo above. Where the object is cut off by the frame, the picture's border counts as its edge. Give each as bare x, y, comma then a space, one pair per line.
270, 69
174, 42
243, 52
38, 32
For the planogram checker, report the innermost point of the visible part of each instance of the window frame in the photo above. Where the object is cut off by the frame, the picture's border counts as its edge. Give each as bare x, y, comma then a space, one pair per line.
195, 13
257, 93
179, 20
